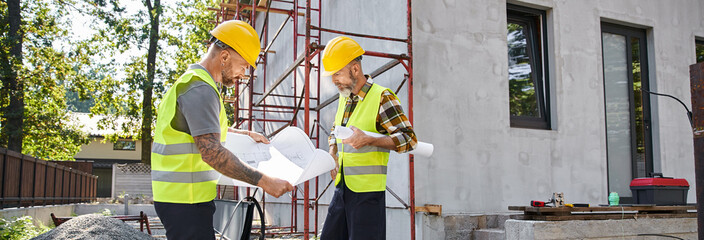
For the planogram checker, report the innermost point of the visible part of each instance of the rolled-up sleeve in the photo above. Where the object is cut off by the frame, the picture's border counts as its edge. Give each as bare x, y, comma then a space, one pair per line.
393, 121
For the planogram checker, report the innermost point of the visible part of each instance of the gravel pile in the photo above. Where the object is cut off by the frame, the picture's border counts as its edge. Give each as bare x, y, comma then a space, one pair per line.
94, 226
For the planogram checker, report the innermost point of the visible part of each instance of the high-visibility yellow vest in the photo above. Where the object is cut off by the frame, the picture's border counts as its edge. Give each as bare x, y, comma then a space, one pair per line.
364, 168
179, 174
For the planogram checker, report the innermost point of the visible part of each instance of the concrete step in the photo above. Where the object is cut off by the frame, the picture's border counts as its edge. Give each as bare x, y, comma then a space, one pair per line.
497, 221
489, 234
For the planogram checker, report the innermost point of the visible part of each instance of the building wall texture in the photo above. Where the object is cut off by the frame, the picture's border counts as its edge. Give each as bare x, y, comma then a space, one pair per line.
97, 149
481, 165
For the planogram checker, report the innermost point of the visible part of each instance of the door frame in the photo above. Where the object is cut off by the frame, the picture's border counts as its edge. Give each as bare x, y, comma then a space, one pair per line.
629, 33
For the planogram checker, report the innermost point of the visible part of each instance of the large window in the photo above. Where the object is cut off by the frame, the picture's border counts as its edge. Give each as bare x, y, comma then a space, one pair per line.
127, 145
628, 130
527, 68
700, 50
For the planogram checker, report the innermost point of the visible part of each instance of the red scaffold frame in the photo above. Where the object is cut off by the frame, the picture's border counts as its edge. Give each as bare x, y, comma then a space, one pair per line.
245, 105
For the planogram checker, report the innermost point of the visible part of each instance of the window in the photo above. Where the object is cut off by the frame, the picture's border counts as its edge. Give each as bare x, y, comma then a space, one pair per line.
127, 145
700, 50
527, 68
628, 131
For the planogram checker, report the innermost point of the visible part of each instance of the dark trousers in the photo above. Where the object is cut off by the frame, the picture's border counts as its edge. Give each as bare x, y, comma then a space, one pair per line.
354, 215
187, 221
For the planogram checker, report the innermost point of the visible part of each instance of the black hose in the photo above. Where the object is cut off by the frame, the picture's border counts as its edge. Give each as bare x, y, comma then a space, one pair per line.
689, 113
659, 235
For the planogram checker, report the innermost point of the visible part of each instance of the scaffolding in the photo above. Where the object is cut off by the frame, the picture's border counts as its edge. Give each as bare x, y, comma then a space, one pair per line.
244, 92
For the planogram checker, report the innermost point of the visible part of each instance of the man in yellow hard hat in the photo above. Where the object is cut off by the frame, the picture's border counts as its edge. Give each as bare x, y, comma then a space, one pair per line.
187, 153
357, 209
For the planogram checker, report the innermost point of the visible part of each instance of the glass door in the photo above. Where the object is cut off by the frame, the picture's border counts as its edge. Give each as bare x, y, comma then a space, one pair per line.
628, 130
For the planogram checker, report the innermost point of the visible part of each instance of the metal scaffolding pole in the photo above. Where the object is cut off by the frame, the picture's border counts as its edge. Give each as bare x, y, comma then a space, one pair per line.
246, 105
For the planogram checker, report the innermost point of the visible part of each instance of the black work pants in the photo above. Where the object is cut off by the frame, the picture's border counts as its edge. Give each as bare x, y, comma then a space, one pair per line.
354, 215
187, 221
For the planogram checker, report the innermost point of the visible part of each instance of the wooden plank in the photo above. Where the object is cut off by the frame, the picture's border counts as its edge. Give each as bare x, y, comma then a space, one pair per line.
606, 216
249, 7
601, 209
430, 208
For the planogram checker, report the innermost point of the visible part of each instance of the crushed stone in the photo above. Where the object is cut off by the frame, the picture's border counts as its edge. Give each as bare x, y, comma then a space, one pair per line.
94, 226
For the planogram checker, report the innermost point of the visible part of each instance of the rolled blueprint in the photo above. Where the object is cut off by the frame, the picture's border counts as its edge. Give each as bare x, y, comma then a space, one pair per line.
422, 148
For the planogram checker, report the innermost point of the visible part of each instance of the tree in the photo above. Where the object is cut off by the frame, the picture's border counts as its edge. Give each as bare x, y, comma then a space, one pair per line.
168, 55
43, 70
147, 109
13, 87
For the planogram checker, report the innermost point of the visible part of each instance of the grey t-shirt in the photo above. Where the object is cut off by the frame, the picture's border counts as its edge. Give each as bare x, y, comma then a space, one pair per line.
198, 108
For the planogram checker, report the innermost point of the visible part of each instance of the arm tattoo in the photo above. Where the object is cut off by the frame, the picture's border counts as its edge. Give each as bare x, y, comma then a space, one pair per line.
222, 160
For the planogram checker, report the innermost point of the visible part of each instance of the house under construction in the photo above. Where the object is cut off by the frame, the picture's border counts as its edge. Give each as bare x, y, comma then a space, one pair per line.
522, 99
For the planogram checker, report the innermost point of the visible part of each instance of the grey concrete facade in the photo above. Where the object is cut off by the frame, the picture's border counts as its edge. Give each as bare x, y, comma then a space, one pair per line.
646, 228
481, 165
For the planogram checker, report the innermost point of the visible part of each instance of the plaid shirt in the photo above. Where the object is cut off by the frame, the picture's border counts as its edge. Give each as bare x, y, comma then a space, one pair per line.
389, 121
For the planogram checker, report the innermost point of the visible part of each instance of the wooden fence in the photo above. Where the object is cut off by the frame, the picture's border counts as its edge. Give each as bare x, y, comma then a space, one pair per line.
28, 181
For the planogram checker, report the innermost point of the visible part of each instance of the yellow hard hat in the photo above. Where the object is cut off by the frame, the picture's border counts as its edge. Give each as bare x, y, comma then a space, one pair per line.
338, 53
241, 37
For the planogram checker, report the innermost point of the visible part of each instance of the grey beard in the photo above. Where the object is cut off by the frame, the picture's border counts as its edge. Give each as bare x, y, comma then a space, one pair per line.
345, 92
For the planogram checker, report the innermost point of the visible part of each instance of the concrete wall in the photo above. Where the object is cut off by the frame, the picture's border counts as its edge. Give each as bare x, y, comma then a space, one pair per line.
482, 165
682, 228
40, 215
97, 149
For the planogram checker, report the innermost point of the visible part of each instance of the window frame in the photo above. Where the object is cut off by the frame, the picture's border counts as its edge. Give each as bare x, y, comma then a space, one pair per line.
537, 45
697, 41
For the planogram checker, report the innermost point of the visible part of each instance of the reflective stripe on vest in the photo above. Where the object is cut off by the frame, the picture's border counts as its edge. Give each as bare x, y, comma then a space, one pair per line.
185, 177
365, 168
175, 149
179, 174
361, 170
365, 149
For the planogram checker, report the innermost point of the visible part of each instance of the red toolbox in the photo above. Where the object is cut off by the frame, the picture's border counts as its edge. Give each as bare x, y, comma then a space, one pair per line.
660, 190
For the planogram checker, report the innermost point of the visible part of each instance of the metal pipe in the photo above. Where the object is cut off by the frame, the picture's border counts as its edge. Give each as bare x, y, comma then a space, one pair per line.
317, 99
294, 199
397, 197
359, 34
127, 202
277, 34
306, 221
283, 77
371, 53
411, 162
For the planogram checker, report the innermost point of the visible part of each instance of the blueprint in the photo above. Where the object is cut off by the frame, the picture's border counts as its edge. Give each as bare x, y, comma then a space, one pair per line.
422, 148
290, 156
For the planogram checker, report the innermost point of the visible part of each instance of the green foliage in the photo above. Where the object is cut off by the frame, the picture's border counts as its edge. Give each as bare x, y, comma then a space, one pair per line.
20, 228
106, 212
47, 70
182, 35
103, 72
